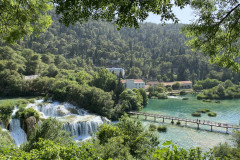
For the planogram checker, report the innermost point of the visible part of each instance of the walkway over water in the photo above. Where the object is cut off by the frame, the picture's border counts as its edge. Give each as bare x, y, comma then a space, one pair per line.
197, 121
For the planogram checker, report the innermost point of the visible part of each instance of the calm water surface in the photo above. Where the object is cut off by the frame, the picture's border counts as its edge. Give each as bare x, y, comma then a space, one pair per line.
228, 111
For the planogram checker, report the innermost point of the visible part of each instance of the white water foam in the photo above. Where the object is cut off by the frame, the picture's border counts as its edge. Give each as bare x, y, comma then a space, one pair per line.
17, 133
175, 97
77, 121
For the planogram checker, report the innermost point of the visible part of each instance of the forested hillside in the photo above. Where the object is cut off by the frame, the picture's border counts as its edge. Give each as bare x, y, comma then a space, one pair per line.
150, 52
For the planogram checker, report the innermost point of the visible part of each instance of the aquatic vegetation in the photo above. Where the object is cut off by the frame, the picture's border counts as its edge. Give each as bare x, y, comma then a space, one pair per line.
152, 127
162, 129
203, 110
196, 114
212, 114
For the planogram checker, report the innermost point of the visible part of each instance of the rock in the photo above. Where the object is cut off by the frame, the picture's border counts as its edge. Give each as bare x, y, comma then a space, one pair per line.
73, 110
31, 123
62, 111
105, 120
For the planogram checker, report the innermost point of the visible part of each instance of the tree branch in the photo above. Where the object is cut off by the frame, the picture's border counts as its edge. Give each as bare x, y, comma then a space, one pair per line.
218, 23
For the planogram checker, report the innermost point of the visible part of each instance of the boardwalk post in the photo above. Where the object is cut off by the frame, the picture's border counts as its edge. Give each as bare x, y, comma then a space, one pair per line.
211, 124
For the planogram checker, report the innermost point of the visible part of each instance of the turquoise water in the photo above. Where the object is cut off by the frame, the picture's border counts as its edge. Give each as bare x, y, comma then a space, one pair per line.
228, 111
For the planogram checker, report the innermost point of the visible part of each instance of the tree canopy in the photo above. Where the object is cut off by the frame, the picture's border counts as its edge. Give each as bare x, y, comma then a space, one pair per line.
23, 17
215, 32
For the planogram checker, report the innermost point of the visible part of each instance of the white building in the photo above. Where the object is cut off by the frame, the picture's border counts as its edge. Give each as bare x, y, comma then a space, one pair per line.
31, 77
133, 83
117, 71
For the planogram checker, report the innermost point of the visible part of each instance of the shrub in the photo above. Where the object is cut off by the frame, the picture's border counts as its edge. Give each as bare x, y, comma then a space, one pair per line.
212, 114
183, 92
6, 110
172, 122
169, 88
178, 123
152, 127
31, 100
176, 85
201, 96
162, 96
23, 113
5, 139
49, 129
162, 129
196, 114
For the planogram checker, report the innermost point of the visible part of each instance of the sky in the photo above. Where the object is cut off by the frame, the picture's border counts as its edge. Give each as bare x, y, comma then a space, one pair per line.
184, 15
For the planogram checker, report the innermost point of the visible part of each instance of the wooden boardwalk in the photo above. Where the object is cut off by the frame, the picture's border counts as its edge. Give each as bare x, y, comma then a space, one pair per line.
197, 121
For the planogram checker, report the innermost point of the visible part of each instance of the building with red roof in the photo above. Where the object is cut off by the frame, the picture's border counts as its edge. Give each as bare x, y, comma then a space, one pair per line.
133, 83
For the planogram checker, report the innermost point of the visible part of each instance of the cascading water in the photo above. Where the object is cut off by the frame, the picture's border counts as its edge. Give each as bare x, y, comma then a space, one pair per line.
17, 133
77, 121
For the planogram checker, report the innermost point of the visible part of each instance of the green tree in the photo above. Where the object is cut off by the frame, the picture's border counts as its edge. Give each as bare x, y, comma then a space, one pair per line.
135, 73
216, 31
83, 77
23, 17
105, 80
49, 129
176, 85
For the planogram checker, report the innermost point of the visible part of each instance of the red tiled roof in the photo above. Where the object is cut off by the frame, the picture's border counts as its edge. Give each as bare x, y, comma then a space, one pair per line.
153, 83
123, 81
181, 82
138, 81
135, 81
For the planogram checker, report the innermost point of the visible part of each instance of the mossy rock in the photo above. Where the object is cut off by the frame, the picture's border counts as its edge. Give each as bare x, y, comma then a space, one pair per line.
218, 101
31, 100
23, 113
178, 123
212, 114
73, 110
152, 127
185, 98
203, 110
196, 114
162, 129
153, 97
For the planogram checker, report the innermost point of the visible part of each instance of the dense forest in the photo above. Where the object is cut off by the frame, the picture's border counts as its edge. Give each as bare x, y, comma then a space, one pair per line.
153, 51
70, 63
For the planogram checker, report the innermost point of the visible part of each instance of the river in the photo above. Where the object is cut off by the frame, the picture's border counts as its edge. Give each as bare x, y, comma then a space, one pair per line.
228, 111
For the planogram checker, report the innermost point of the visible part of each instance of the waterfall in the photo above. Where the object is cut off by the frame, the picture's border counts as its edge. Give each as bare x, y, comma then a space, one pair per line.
2, 125
17, 133
77, 121
83, 129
